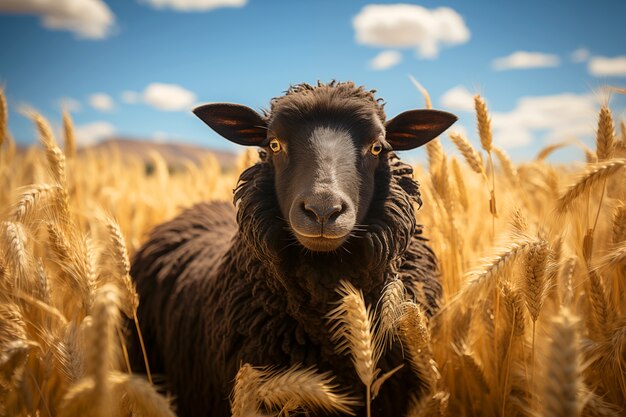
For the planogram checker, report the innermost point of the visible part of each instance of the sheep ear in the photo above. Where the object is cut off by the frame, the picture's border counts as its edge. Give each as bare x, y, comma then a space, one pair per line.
414, 128
237, 123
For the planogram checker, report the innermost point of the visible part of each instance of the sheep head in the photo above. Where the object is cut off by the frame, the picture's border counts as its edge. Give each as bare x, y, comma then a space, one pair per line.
325, 144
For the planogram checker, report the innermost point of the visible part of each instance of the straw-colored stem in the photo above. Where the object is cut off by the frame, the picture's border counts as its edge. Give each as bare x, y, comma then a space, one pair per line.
143, 348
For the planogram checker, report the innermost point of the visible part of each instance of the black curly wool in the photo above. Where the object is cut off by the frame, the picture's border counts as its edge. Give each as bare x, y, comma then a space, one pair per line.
220, 287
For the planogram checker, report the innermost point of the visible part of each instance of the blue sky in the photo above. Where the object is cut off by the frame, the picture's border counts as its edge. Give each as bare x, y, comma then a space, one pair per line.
134, 68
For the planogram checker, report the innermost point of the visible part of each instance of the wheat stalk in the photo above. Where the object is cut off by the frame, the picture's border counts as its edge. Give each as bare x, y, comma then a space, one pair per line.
4, 117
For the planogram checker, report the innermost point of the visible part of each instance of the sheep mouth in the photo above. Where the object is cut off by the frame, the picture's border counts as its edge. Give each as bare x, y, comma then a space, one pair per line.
321, 243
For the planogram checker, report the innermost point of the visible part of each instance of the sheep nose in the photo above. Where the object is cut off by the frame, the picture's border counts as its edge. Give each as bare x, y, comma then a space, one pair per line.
323, 210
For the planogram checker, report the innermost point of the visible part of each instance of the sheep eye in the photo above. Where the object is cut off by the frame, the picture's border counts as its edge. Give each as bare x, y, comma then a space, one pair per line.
376, 148
275, 145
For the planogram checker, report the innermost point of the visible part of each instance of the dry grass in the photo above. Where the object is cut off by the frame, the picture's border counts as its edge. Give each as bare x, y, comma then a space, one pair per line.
533, 316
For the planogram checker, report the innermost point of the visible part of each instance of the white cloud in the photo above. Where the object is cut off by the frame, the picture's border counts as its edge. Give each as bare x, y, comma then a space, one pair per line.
559, 116
580, 55
410, 26
524, 60
101, 101
89, 19
385, 60
168, 97
601, 66
92, 133
130, 97
458, 98
70, 104
194, 5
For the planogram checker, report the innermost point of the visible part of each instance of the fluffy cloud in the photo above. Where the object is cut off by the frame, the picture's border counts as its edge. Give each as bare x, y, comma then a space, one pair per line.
130, 97
458, 98
168, 97
90, 19
194, 5
601, 66
385, 60
410, 26
101, 101
524, 60
70, 104
580, 55
92, 133
560, 116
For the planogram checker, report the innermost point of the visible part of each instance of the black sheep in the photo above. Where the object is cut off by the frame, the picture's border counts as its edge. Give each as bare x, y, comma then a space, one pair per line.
329, 200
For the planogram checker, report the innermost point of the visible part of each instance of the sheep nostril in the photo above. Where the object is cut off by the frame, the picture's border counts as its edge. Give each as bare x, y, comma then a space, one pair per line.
310, 212
336, 211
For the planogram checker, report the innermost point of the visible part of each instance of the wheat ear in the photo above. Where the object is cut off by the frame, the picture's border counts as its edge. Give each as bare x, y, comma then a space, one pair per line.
141, 396
460, 184
485, 279
595, 174
619, 223
562, 383
535, 286
507, 165
15, 240
30, 198
122, 263
472, 157
102, 354
601, 312
244, 402
391, 305
352, 331
415, 336
484, 123
68, 132
605, 143
302, 387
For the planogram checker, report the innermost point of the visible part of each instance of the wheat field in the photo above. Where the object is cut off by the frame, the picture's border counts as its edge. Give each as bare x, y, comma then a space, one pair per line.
532, 258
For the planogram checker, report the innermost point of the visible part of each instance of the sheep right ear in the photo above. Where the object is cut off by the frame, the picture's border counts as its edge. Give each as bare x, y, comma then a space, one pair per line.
237, 123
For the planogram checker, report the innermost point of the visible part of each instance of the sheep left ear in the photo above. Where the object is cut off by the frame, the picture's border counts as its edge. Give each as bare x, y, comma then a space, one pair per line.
414, 128
237, 123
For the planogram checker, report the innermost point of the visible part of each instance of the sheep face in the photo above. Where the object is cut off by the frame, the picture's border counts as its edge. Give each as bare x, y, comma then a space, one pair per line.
325, 146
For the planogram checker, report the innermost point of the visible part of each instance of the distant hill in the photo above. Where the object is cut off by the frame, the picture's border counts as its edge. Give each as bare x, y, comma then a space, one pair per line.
173, 153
